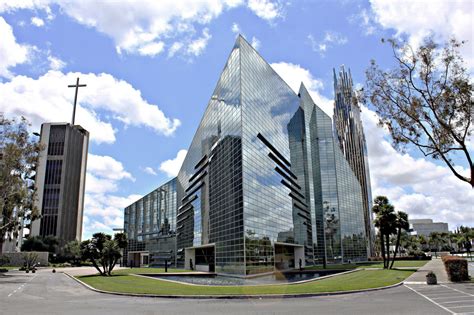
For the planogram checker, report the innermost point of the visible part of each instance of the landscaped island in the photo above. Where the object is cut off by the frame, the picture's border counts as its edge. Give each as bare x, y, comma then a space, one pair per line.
124, 281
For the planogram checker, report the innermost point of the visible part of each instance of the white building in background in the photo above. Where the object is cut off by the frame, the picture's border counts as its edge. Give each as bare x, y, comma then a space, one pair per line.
426, 226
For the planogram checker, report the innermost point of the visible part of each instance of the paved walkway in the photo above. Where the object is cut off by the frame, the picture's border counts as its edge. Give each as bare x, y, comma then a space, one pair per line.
436, 265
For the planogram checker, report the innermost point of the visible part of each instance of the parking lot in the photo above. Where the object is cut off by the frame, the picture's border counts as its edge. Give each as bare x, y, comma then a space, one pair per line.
453, 298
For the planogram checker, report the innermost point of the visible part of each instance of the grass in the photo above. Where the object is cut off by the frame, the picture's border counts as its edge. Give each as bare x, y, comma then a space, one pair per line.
398, 264
9, 267
362, 279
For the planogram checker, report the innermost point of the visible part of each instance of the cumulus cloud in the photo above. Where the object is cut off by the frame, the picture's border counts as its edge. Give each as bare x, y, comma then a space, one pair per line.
265, 9
295, 74
150, 170
415, 185
43, 99
441, 19
235, 28
55, 63
36, 21
171, 167
196, 47
11, 52
103, 210
255, 43
107, 167
329, 40
151, 49
145, 29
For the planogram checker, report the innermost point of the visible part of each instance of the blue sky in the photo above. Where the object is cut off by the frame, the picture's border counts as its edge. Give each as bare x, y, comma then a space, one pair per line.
151, 67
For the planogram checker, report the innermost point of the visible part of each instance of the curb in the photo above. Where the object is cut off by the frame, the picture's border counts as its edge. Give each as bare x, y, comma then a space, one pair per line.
235, 297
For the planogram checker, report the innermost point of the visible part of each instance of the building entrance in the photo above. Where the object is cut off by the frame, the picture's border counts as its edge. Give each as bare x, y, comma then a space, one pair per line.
138, 259
200, 258
288, 256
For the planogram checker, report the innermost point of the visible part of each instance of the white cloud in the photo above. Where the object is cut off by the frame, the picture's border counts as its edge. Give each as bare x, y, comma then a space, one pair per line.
145, 29
171, 167
330, 39
55, 63
102, 209
265, 9
235, 28
196, 47
255, 43
418, 19
366, 21
36, 21
151, 49
11, 52
415, 185
150, 170
107, 167
175, 48
48, 99
295, 74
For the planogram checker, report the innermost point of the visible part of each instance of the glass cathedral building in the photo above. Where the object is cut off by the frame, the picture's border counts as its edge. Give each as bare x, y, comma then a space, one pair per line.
264, 184
150, 224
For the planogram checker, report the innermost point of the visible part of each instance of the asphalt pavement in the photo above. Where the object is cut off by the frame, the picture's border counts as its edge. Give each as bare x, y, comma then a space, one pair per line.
48, 293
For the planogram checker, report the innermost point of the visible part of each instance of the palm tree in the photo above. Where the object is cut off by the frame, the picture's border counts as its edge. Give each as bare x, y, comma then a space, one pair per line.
435, 240
384, 221
401, 223
423, 241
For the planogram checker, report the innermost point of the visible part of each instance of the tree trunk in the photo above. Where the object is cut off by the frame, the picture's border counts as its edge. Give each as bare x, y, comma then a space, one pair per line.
399, 234
382, 248
96, 267
387, 240
112, 266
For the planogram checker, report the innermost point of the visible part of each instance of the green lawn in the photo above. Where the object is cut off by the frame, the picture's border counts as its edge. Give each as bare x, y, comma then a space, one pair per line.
145, 270
397, 264
9, 267
363, 279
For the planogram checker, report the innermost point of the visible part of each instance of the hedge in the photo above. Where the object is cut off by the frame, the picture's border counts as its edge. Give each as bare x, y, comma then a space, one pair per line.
456, 268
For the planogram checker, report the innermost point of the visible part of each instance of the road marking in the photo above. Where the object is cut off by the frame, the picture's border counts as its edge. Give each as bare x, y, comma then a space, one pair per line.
462, 306
457, 290
435, 303
457, 301
437, 296
445, 297
21, 286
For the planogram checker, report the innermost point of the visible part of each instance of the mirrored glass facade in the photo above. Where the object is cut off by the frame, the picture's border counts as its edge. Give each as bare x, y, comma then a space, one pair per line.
264, 186
150, 224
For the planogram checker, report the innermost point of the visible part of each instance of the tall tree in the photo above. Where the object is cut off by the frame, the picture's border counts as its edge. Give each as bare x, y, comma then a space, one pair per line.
385, 221
426, 101
18, 161
401, 223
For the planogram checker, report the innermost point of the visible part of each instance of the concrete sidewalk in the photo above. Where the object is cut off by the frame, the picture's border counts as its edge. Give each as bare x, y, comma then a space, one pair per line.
436, 265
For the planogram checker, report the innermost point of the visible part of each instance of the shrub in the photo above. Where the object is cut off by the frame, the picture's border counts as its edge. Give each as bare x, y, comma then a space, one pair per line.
456, 268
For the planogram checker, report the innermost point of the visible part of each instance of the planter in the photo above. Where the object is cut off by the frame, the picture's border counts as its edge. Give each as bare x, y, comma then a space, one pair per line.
431, 278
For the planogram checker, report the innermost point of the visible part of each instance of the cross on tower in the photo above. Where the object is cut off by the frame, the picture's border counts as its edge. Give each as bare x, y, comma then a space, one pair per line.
77, 86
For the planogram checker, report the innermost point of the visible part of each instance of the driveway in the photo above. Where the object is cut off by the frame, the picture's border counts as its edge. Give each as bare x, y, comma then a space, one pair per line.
48, 293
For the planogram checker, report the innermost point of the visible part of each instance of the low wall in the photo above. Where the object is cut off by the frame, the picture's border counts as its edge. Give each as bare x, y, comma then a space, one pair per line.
17, 259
